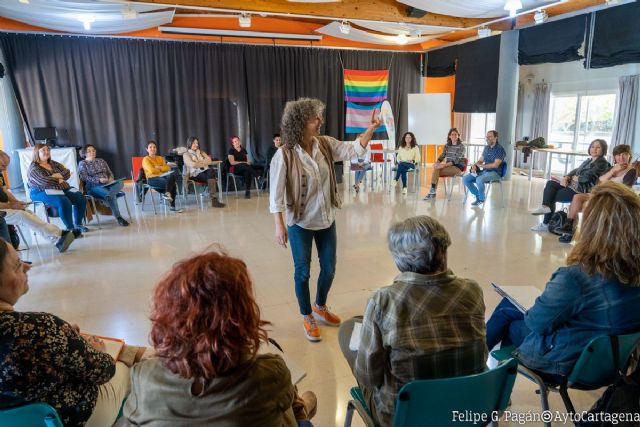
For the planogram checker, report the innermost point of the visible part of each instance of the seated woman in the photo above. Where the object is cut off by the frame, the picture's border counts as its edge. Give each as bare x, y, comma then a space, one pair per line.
65, 370
156, 170
428, 324
408, 156
208, 370
579, 180
597, 293
46, 177
450, 162
622, 172
197, 164
360, 165
95, 173
241, 165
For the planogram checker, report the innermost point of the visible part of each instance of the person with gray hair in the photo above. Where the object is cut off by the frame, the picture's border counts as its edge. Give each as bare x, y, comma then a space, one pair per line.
428, 323
304, 186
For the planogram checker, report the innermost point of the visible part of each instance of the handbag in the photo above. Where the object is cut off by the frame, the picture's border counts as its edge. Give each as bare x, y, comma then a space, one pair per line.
557, 221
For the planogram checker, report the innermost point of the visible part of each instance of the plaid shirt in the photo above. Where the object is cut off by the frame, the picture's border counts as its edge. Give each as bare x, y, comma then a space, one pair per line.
420, 327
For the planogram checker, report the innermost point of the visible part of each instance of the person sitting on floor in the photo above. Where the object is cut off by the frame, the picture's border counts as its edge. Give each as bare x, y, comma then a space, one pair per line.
45, 359
622, 172
206, 330
450, 162
596, 294
197, 164
579, 180
486, 169
159, 175
16, 213
95, 173
408, 157
48, 182
241, 165
428, 324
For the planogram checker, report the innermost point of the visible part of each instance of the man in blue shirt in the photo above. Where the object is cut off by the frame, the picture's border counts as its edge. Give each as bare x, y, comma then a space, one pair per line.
491, 163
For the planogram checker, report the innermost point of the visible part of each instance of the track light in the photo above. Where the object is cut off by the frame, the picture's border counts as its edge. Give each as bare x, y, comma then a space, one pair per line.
513, 6
484, 32
345, 27
245, 20
401, 39
540, 16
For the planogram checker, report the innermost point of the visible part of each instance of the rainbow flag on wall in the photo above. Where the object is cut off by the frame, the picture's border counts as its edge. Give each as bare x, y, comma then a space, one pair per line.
359, 117
365, 86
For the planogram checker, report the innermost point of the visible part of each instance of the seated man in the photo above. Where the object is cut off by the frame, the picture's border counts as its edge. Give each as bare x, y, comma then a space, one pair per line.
15, 214
491, 160
427, 324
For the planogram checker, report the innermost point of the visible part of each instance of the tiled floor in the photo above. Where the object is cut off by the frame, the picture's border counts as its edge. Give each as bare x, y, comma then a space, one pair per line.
105, 280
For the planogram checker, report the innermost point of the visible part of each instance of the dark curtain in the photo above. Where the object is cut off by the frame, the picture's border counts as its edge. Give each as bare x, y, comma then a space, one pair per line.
119, 93
441, 62
616, 36
477, 76
556, 41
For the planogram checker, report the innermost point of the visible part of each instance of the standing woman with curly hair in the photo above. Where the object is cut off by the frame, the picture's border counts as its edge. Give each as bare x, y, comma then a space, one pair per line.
303, 186
206, 330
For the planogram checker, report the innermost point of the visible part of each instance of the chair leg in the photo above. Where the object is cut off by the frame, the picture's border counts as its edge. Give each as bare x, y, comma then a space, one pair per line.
95, 211
348, 418
153, 201
501, 193
564, 393
126, 203
22, 237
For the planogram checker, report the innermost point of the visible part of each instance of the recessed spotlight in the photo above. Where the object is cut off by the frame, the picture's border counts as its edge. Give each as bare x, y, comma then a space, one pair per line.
345, 27
540, 16
245, 20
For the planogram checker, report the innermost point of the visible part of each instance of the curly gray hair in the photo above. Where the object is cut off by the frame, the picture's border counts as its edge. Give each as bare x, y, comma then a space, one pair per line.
295, 116
419, 244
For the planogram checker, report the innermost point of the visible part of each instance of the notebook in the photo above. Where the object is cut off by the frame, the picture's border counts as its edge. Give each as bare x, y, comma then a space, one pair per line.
115, 181
523, 297
113, 346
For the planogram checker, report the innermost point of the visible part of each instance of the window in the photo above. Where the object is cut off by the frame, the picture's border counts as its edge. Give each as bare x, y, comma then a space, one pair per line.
577, 119
480, 124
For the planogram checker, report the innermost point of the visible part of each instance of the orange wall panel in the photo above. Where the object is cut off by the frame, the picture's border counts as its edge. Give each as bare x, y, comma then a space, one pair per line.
441, 85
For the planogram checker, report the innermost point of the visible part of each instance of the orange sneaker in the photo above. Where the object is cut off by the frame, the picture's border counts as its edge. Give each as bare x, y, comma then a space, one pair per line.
323, 314
311, 330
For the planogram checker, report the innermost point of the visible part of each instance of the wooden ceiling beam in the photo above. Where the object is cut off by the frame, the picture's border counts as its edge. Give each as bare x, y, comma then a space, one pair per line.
375, 10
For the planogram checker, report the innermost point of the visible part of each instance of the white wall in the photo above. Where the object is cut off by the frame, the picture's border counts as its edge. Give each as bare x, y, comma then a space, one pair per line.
569, 77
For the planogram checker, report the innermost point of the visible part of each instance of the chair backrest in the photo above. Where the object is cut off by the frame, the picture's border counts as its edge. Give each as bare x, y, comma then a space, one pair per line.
377, 157
595, 368
503, 169
136, 165
32, 415
436, 402
466, 164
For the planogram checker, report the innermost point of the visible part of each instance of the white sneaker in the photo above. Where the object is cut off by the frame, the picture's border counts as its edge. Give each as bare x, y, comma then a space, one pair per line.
542, 210
395, 183
540, 227
404, 191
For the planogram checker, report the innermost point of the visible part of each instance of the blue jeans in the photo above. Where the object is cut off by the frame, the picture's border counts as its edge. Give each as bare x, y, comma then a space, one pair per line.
109, 195
506, 325
475, 184
72, 201
401, 171
360, 173
300, 240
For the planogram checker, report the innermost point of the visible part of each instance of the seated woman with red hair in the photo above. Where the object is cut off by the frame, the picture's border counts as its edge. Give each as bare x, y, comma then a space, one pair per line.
206, 330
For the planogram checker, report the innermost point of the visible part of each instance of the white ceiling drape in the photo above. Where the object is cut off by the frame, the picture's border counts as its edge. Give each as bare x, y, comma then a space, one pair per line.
470, 9
333, 30
69, 15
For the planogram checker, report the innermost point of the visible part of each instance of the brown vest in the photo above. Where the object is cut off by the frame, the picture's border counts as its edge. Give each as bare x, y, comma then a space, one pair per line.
296, 179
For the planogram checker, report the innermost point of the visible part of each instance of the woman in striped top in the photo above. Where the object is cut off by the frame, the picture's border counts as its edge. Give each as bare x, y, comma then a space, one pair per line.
450, 162
48, 182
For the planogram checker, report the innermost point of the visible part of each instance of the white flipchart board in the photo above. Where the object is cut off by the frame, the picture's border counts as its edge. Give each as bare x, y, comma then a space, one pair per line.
430, 117
66, 156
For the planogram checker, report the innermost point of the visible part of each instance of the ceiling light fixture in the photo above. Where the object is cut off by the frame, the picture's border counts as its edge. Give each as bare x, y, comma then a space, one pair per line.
24, 1
513, 6
540, 16
245, 20
484, 32
401, 39
87, 20
345, 27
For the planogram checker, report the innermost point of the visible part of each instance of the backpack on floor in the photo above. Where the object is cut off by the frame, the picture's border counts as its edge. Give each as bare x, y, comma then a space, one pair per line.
557, 221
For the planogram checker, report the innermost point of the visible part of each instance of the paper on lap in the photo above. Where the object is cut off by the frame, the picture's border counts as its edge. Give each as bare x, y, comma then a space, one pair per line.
113, 346
354, 342
523, 297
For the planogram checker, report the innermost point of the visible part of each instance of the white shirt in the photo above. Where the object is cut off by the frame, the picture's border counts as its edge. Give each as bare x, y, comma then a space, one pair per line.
318, 213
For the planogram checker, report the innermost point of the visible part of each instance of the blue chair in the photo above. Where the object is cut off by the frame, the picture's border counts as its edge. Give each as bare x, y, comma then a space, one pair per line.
424, 403
488, 185
30, 415
595, 368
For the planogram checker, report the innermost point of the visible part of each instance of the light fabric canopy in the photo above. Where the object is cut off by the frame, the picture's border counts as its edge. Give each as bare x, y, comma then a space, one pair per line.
402, 28
470, 9
70, 16
333, 30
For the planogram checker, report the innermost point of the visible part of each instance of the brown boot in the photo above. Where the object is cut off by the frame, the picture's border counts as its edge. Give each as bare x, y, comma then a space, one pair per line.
215, 203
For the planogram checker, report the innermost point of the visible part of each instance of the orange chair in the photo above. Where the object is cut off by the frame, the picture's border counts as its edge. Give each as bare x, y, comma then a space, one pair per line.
378, 159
